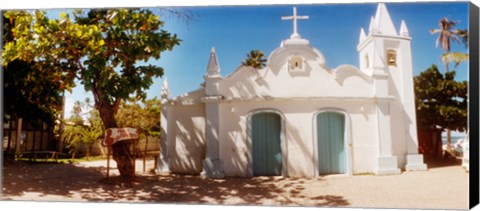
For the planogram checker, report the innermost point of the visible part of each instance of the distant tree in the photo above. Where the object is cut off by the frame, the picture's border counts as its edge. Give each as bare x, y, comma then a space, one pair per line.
255, 59
102, 49
142, 114
441, 102
73, 131
80, 130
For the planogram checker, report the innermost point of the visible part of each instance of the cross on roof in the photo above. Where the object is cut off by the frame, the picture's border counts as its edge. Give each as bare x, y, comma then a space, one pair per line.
294, 17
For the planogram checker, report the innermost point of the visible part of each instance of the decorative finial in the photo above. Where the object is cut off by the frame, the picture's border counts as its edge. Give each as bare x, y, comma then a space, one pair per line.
294, 17
362, 35
213, 69
372, 28
165, 92
404, 29
383, 22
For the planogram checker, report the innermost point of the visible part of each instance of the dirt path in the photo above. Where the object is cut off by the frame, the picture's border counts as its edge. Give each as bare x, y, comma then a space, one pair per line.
441, 187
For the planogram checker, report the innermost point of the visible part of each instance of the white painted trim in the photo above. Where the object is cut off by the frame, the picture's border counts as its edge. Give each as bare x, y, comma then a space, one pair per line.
283, 143
277, 99
362, 45
269, 99
348, 145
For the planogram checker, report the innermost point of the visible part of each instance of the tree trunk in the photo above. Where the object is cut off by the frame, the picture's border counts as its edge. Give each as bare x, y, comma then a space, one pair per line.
145, 152
120, 150
448, 130
449, 140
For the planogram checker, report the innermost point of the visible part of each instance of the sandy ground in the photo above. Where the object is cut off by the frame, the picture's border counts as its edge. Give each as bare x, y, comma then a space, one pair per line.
443, 186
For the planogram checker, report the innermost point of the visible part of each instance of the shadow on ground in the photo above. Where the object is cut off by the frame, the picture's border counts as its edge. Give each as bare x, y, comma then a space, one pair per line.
76, 183
442, 162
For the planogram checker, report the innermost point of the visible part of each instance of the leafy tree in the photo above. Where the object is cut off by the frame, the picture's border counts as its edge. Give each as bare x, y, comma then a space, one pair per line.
93, 132
72, 136
441, 101
78, 131
255, 59
31, 94
73, 132
142, 114
102, 49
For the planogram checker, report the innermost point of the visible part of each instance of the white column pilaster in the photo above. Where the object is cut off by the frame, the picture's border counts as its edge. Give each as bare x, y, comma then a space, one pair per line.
212, 165
163, 161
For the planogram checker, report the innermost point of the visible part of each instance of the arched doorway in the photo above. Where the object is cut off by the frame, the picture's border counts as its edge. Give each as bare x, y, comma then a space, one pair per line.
331, 143
266, 132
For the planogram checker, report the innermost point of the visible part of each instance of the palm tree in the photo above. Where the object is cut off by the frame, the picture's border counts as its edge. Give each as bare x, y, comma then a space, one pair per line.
457, 57
463, 36
446, 34
255, 59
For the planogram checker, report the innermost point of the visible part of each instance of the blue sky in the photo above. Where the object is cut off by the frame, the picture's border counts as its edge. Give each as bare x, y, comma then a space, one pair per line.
331, 28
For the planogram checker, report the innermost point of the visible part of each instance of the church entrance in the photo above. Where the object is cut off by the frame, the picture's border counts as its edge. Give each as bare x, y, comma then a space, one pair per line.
331, 143
266, 144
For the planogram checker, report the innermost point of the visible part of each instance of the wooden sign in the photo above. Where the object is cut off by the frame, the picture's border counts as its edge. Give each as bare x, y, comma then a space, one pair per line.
113, 135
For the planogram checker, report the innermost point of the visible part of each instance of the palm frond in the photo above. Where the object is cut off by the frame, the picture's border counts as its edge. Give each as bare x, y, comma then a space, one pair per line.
455, 57
255, 59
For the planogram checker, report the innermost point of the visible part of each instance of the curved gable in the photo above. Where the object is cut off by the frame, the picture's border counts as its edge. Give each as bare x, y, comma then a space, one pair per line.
353, 81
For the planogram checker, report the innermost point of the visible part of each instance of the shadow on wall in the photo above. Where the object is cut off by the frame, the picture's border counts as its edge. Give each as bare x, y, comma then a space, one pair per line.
245, 82
189, 143
236, 157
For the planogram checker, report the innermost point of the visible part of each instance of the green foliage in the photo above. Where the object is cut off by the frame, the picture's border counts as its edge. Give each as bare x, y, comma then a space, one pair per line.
143, 114
77, 131
441, 101
255, 59
31, 94
100, 48
455, 57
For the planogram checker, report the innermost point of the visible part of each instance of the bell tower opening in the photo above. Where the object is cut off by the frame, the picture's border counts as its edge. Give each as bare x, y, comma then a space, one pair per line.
391, 57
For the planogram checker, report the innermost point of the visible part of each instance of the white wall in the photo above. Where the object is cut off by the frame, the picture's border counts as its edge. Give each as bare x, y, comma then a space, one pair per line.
275, 81
299, 134
186, 141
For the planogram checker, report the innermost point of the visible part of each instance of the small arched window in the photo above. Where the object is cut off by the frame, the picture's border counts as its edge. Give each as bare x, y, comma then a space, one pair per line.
296, 63
391, 57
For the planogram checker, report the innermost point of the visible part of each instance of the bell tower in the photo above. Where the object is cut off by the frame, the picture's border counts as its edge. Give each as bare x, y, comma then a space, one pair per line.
386, 56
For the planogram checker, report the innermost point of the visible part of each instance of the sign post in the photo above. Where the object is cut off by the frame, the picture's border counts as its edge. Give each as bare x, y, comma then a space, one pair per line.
114, 135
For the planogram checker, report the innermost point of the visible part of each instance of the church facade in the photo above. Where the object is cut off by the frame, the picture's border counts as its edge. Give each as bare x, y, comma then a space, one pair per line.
298, 118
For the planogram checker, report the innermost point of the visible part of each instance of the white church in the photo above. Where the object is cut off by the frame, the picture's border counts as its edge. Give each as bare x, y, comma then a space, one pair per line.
297, 117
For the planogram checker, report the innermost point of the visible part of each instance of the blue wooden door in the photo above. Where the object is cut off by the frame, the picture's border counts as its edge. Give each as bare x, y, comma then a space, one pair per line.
331, 143
266, 144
